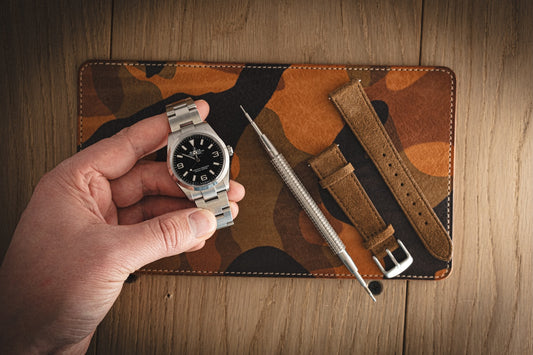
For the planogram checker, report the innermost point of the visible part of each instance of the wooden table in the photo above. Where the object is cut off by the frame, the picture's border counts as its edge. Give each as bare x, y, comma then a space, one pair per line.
485, 306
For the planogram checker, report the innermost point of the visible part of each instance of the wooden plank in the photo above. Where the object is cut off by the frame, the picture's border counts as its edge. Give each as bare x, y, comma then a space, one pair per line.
236, 315
322, 32
43, 44
486, 306
189, 314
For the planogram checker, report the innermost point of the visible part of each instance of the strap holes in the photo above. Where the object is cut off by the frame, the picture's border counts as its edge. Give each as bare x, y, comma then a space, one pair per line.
414, 203
401, 184
420, 213
426, 223
390, 164
407, 194
395, 174
384, 154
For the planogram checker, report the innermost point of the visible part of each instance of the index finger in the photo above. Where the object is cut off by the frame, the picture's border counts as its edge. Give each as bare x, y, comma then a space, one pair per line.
116, 155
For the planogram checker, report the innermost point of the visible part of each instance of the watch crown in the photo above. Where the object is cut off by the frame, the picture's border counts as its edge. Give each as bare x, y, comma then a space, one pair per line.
230, 150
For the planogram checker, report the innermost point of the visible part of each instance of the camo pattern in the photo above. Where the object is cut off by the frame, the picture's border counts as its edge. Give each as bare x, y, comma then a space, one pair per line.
272, 236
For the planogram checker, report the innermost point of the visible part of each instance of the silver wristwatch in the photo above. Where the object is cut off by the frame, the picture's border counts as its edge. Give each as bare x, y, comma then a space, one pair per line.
198, 160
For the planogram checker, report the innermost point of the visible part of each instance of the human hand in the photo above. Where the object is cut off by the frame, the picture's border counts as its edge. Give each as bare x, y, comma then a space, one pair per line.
94, 219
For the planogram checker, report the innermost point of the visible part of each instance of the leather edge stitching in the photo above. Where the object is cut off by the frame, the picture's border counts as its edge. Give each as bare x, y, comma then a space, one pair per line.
434, 69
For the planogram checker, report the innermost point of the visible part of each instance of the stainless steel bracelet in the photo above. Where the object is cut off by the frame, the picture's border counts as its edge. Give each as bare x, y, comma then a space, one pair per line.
219, 205
180, 115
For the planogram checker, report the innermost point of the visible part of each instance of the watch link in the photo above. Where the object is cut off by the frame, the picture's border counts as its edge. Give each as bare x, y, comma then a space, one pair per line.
198, 160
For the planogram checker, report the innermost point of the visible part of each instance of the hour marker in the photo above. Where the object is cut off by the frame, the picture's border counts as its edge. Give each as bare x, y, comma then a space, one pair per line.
194, 178
179, 156
202, 142
209, 146
216, 163
212, 172
183, 147
185, 173
192, 142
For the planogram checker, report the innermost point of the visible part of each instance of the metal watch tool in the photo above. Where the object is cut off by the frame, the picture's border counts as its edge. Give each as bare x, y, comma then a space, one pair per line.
307, 203
198, 160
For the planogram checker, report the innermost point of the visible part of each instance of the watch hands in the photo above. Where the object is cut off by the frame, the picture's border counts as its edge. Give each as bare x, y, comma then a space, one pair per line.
193, 156
189, 156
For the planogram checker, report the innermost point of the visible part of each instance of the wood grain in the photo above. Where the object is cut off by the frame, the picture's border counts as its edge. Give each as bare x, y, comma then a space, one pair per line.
161, 314
43, 45
486, 305
236, 315
323, 32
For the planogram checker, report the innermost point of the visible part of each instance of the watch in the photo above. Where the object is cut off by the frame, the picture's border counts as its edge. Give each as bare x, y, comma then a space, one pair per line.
198, 160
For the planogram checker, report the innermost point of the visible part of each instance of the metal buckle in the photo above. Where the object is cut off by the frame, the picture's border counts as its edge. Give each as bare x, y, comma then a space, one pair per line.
398, 267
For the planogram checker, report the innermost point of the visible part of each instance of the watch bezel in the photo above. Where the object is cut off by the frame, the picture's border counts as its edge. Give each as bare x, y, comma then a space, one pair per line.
201, 129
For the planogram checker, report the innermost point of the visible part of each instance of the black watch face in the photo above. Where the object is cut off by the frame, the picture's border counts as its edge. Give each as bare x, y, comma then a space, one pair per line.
198, 160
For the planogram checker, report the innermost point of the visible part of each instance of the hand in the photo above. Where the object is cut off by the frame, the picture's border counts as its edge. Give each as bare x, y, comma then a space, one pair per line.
94, 219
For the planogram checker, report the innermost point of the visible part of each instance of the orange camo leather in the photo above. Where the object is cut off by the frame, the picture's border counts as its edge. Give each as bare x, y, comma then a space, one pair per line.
271, 235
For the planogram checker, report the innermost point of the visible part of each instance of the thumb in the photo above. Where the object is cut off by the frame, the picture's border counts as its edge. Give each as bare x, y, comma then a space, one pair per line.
169, 234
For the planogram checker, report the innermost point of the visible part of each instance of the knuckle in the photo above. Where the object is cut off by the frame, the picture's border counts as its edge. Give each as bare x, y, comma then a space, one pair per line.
174, 233
126, 135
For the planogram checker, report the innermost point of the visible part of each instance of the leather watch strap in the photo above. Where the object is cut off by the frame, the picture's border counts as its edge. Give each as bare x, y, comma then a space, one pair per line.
336, 175
355, 107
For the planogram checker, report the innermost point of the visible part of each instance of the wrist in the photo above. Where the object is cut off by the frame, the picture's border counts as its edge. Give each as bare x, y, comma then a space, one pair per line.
20, 335
19, 343
25, 344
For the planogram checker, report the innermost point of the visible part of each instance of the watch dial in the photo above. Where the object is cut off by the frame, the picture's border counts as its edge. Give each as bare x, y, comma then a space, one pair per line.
198, 160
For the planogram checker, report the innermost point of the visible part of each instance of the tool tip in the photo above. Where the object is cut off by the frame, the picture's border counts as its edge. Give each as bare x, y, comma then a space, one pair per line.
370, 294
246, 114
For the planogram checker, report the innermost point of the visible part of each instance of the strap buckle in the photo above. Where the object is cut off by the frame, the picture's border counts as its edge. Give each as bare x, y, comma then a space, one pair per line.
398, 267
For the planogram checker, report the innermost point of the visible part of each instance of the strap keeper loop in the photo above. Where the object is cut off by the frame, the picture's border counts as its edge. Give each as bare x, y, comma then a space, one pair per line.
379, 238
336, 176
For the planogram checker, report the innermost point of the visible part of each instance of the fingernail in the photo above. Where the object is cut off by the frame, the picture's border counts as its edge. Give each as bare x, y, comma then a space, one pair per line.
203, 222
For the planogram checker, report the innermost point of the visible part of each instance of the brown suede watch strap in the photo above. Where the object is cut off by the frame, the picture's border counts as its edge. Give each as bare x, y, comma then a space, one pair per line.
355, 107
336, 175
